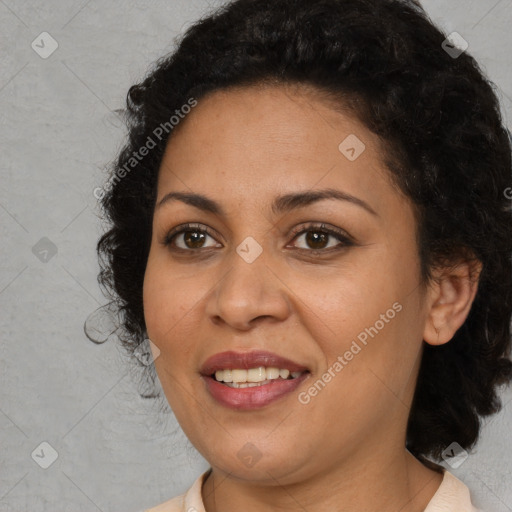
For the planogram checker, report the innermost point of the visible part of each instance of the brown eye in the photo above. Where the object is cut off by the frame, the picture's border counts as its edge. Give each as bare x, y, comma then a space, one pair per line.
320, 238
189, 238
317, 239
194, 239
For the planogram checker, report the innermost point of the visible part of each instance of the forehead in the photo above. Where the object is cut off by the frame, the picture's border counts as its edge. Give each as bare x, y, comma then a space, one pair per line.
256, 141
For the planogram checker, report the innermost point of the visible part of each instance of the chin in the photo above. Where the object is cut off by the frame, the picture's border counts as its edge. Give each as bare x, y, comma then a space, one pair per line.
257, 465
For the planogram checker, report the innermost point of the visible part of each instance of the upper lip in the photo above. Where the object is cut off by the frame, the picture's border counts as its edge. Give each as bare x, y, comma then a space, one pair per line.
247, 360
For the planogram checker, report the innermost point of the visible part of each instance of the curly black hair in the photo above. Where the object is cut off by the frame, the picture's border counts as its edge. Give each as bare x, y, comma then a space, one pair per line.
447, 149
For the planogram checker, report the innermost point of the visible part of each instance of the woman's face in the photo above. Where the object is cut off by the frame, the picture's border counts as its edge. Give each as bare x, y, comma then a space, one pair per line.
267, 277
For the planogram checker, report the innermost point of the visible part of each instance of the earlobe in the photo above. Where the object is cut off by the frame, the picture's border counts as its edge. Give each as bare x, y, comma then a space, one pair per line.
451, 298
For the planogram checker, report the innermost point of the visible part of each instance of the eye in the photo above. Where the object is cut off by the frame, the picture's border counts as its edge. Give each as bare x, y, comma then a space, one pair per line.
191, 236
316, 237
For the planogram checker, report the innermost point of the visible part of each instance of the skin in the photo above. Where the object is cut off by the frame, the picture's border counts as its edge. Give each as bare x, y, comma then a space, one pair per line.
345, 449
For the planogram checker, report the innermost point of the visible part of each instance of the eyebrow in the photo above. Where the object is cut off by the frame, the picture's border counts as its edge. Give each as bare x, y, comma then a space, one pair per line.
280, 205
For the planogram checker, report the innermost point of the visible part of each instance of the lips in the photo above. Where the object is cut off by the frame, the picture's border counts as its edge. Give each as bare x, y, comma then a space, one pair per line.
259, 395
247, 399
248, 360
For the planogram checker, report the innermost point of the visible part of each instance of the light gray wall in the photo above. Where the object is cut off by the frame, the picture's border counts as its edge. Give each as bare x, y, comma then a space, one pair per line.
57, 131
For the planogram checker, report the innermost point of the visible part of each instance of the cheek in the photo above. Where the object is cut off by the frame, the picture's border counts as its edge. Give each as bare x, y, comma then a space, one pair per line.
368, 309
163, 306
171, 310
166, 306
344, 302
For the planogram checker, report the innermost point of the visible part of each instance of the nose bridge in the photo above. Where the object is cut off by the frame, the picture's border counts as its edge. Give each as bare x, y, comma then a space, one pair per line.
249, 289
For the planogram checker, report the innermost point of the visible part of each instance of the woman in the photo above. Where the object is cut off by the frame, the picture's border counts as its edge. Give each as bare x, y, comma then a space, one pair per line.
310, 223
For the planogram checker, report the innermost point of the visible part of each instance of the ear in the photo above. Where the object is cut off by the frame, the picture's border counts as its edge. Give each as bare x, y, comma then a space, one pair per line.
450, 300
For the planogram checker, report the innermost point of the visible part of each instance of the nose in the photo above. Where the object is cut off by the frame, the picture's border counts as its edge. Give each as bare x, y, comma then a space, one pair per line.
248, 294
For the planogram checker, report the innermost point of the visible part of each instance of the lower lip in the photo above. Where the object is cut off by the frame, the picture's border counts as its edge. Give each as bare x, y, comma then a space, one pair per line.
253, 397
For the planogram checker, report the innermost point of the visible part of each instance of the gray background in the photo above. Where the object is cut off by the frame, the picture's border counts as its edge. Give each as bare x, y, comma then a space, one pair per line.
57, 132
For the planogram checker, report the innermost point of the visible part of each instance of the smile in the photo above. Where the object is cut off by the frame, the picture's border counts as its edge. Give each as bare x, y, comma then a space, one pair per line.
251, 380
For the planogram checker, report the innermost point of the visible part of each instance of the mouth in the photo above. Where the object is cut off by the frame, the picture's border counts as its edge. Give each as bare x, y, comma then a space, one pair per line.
251, 380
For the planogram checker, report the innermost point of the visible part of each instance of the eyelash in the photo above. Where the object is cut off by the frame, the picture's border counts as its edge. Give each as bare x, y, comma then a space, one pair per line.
340, 235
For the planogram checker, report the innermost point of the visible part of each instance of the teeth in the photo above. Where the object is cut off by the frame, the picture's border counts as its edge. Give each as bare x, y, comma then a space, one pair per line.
284, 374
272, 373
253, 376
256, 374
246, 384
239, 375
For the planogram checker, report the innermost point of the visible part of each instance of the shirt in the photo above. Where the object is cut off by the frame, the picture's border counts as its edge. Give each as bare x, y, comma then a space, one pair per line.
451, 496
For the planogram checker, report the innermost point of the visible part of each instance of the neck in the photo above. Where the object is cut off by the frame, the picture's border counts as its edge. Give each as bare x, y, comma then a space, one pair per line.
403, 484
